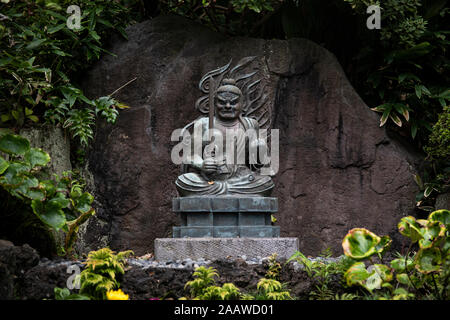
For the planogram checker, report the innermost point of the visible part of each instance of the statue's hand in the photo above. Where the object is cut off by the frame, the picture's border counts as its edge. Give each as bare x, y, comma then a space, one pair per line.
209, 165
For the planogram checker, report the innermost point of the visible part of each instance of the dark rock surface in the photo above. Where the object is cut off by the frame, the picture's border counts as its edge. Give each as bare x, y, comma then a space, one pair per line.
338, 169
15, 261
24, 276
163, 283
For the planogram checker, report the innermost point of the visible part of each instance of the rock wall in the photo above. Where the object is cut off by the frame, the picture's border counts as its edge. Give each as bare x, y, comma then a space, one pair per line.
338, 169
53, 141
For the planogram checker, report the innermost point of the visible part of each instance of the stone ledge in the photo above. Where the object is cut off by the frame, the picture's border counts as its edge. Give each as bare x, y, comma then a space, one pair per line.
170, 249
226, 231
225, 204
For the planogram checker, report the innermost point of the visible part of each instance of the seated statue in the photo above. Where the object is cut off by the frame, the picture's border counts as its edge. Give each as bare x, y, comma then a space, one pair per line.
211, 175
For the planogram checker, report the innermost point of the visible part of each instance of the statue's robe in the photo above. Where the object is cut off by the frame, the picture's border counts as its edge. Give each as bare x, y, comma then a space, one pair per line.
233, 179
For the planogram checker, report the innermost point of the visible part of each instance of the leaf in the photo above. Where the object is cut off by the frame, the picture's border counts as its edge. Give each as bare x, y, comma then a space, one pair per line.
418, 180
399, 264
106, 23
418, 89
428, 191
14, 144
5, 117
432, 233
59, 200
413, 130
14, 174
56, 28
4, 131
428, 260
425, 90
385, 116
35, 44
403, 110
56, 15
356, 274
384, 243
48, 186
409, 228
50, 213
360, 243
28, 188
83, 203
395, 118
37, 157
122, 32
33, 118
16, 114
442, 216
3, 165
402, 278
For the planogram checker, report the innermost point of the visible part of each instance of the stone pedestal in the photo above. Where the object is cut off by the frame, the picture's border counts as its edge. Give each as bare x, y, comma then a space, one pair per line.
171, 249
215, 227
225, 217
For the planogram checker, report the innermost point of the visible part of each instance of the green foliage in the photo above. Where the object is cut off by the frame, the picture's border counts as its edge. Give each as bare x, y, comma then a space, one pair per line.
439, 140
203, 288
407, 65
41, 58
271, 289
228, 16
204, 278
101, 273
360, 244
432, 184
80, 122
274, 268
323, 273
424, 273
64, 294
60, 203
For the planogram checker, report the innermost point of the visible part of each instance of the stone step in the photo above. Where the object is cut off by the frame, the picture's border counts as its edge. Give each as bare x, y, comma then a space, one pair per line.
170, 249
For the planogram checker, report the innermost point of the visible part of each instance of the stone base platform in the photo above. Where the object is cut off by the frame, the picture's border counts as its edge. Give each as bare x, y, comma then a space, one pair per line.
170, 249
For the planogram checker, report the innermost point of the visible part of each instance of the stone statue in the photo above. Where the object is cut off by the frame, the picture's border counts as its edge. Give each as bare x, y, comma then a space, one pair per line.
230, 108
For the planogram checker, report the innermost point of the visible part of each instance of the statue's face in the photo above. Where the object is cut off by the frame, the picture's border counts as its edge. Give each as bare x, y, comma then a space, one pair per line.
228, 105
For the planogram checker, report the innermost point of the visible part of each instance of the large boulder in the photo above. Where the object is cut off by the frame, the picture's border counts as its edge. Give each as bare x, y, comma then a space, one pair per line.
15, 261
338, 168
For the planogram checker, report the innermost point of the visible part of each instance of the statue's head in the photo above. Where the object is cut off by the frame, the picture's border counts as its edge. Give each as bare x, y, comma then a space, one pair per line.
228, 100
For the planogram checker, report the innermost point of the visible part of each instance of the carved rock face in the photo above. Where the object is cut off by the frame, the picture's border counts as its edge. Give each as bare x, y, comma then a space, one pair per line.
338, 169
228, 106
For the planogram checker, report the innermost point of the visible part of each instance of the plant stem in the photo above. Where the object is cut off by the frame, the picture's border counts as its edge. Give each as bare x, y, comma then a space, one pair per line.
435, 287
120, 88
406, 266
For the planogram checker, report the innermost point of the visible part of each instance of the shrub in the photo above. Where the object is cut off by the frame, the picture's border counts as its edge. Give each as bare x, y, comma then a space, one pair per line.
439, 140
101, 273
422, 274
60, 203
41, 58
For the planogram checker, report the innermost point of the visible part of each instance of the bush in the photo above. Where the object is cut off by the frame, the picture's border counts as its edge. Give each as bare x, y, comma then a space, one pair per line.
60, 202
41, 59
421, 275
439, 141
100, 276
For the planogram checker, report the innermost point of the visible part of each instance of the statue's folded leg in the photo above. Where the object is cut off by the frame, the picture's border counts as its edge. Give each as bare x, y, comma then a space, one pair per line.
251, 185
191, 183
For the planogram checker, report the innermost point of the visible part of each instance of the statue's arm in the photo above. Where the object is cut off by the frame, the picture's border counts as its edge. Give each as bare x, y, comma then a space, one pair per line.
196, 159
